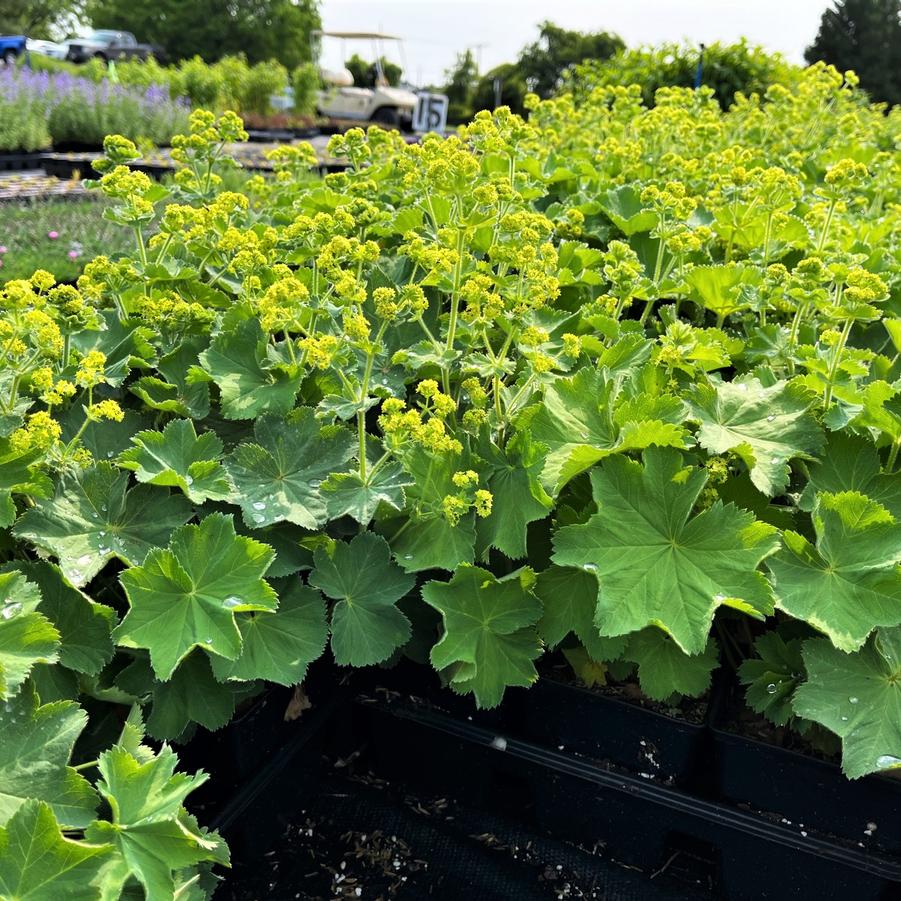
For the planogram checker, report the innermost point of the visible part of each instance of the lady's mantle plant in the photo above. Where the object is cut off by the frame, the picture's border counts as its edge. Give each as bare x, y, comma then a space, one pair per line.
619, 379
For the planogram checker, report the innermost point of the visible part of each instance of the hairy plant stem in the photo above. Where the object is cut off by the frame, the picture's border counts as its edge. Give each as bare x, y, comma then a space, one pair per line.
833, 363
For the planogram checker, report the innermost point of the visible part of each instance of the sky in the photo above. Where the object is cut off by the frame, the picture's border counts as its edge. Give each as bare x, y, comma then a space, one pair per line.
434, 31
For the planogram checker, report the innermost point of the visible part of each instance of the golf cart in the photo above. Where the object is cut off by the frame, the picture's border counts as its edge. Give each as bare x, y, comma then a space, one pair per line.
393, 107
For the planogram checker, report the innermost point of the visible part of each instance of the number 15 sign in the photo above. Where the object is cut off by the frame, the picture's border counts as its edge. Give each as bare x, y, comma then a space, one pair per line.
430, 113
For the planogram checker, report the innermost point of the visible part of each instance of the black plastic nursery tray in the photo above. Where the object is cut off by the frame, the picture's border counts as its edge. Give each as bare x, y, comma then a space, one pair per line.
14, 161
636, 820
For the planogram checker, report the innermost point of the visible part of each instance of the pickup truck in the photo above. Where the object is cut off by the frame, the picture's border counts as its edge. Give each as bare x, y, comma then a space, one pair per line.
10, 47
108, 45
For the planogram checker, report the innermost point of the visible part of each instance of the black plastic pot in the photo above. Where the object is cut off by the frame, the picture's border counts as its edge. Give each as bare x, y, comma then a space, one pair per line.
65, 167
17, 160
269, 776
571, 718
804, 790
638, 821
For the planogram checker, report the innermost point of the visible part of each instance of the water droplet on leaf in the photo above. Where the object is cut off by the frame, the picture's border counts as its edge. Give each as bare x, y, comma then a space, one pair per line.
10, 610
258, 505
258, 518
189, 481
853, 700
771, 688
232, 602
589, 567
887, 760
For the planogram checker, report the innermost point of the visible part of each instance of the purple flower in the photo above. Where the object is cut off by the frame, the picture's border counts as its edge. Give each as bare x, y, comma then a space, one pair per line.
52, 235
2, 249
73, 254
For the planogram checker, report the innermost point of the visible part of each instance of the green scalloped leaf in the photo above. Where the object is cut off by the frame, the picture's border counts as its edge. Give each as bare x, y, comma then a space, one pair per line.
772, 676
279, 646
26, 637
34, 756
191, 695
249, 382
186, 596
577, 425
570, 598
177, 457
278, 477
84, 626
858, 697
489, 639
849, 582
367, 626
348, 494
766, 426
663, 668
658, 565
152, 834
38, 863
92, 519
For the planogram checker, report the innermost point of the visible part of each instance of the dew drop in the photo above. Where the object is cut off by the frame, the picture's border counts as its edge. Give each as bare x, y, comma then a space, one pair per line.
775, 461
232, 602
853, 700
887, 760
258, 505
771, 417
189, 481
258, 518
209, 641
771, 688
102, 550
719, 598
84, 559
10, 610
104, 508
109, 455
102, 534
408, 556
844, 719
315, 483
589, 567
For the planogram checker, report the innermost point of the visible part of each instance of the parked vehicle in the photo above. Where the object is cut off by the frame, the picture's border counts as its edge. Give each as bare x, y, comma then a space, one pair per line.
10, 47
108, 45
341, 99
46, 48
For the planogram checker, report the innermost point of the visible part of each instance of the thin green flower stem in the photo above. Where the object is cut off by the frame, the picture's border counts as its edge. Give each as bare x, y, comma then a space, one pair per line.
88, 765
821, 243
893, 455
833, 363
364, 391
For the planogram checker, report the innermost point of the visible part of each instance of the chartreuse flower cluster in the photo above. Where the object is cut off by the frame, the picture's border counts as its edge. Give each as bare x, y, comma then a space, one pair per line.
619, 379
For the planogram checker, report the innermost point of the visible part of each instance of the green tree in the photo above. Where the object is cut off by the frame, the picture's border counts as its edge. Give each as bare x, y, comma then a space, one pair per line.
863, 35
39, 18
461, 80
543, 62
211, 29
512, 85
364, 72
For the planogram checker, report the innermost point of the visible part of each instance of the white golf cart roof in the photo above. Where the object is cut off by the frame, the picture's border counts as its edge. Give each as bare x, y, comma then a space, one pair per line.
356, 35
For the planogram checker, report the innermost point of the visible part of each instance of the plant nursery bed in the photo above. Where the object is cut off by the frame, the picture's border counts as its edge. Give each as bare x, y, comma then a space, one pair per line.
323, 818
637, 820
605, 723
